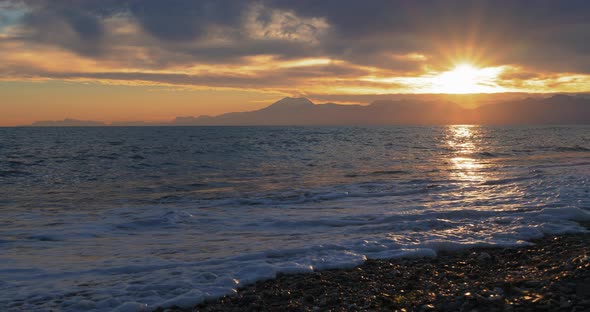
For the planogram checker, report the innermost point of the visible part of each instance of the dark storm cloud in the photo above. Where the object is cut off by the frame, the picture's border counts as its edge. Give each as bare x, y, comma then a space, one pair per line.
70, 26
185, 19
543, 34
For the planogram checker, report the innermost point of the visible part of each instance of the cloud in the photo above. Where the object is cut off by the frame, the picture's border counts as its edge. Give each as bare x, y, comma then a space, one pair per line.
542, 37
178, 20
267, 23
72, 29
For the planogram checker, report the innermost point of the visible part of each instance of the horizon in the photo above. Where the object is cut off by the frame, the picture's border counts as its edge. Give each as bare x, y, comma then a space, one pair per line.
151, 61
464, 101
576, 106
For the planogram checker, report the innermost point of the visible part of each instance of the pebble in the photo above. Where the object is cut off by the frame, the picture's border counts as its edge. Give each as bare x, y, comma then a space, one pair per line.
532, 284
483, 257
532, 278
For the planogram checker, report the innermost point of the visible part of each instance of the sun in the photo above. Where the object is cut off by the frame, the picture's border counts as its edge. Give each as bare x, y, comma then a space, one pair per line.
466, 78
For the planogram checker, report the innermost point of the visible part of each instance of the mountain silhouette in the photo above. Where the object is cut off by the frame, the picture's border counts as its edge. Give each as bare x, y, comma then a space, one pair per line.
558, 109
68, 122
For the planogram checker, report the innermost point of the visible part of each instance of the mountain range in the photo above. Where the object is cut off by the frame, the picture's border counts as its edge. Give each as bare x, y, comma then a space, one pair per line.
556, 109
68, 122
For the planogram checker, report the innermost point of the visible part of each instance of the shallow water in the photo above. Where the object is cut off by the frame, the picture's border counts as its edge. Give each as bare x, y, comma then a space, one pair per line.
135, 218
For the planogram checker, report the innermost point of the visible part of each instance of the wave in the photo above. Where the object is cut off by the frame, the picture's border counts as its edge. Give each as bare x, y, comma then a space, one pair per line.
14, 173
575, 148
487, 154
389, 172
512, 180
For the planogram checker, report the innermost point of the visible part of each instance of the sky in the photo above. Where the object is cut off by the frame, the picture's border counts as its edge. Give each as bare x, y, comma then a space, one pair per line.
152, 60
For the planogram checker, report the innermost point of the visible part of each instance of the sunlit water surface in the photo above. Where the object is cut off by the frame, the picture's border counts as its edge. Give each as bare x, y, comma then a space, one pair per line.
135, 218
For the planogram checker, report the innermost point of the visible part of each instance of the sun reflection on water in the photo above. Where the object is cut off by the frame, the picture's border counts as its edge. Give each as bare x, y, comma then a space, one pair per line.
463, 143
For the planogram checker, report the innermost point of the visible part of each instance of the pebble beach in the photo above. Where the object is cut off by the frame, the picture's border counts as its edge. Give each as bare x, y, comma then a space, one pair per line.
551, 274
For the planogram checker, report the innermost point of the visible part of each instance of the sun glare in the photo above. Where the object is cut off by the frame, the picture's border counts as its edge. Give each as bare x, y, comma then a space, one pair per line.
466, 78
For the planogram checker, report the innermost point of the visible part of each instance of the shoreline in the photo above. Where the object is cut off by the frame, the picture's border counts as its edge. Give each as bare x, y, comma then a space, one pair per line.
551, 274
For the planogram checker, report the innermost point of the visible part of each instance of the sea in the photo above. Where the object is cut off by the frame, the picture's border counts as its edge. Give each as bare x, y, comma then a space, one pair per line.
135, 218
